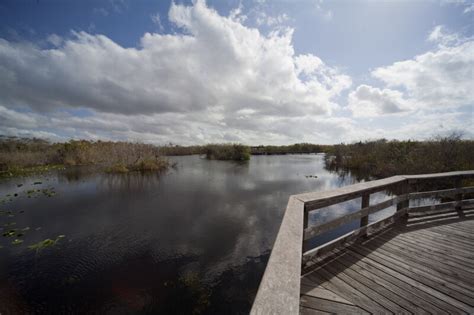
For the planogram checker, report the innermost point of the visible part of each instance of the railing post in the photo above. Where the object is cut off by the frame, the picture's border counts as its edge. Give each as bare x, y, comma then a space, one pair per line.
305, 226
364, 221
458, 197
404, 190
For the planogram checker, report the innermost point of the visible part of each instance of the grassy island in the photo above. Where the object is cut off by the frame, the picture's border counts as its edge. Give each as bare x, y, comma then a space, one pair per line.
234, 152
19, 156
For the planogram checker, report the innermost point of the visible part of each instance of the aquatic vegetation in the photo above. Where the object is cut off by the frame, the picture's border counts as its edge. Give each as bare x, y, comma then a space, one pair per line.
46, 243
10, 233
148, 165
17, 242
117, 168
235, 152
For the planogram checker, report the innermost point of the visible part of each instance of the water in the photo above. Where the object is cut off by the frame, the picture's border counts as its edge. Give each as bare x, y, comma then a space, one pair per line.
193, 240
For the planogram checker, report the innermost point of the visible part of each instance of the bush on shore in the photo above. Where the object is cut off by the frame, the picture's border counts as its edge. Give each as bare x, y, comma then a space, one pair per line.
234, 152
382, 158
297, 148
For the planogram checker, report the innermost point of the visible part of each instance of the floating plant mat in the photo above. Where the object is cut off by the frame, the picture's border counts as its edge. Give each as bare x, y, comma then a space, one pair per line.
10, 229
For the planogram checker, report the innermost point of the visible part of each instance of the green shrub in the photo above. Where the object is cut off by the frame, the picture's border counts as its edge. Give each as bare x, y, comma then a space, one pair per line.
382, 158
235, 152
117, 168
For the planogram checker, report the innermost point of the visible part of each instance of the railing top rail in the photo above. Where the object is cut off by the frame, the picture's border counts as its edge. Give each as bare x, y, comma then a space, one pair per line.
438, 175
317, 199
314, 200
278, 292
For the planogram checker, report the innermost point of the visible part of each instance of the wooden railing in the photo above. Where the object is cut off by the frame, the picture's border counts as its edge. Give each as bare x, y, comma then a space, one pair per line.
279, 289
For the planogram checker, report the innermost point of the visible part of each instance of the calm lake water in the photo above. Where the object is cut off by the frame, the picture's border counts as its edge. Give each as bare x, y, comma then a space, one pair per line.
193, 240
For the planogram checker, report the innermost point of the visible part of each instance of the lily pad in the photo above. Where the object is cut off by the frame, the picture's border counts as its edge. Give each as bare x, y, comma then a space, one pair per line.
9, 233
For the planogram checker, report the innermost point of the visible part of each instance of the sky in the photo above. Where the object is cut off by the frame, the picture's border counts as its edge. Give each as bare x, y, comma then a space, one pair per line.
248, 71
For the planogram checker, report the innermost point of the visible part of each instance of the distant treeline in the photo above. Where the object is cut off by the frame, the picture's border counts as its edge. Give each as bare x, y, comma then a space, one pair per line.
383, 158
19, 154
298, 148
378, 158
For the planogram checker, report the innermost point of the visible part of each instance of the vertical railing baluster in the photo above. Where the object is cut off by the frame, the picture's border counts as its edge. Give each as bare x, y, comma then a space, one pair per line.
364, 221
405, 190
458, 197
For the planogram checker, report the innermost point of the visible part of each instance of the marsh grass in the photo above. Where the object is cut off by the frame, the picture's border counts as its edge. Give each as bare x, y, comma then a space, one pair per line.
20, 156
382, 158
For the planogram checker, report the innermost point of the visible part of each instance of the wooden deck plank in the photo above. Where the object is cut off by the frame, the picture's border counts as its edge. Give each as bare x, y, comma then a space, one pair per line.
441, 244
420, 304
417, 260
463, 301
464, 223
318, 292
333, 283
416, 288
310, 311
437, 248
404, 305
426, 270
452, 233
460, 228
448, 240
423, 276
359, 284
469, 236
330, 306
440, 256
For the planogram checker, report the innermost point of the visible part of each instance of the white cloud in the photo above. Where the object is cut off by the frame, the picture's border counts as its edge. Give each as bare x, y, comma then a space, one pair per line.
215, 80
55, 40
468, 5
469, 8
268, 20
441, 78
157, 20
443, 37
220, 63
433, 92
371, 101
327, 15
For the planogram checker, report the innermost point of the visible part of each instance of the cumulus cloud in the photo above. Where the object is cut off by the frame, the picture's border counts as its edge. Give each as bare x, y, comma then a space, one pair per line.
269, 20
157, 20
467, 5
217, 62
436, 80
371, 101
440, 78
204, 83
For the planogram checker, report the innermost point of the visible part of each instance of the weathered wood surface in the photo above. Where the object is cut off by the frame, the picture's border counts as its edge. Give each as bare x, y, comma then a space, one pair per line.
422, 270
278, 291
314, 200
360, 214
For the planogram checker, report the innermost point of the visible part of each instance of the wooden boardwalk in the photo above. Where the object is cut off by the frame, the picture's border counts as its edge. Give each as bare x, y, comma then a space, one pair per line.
419, 269
419, 259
